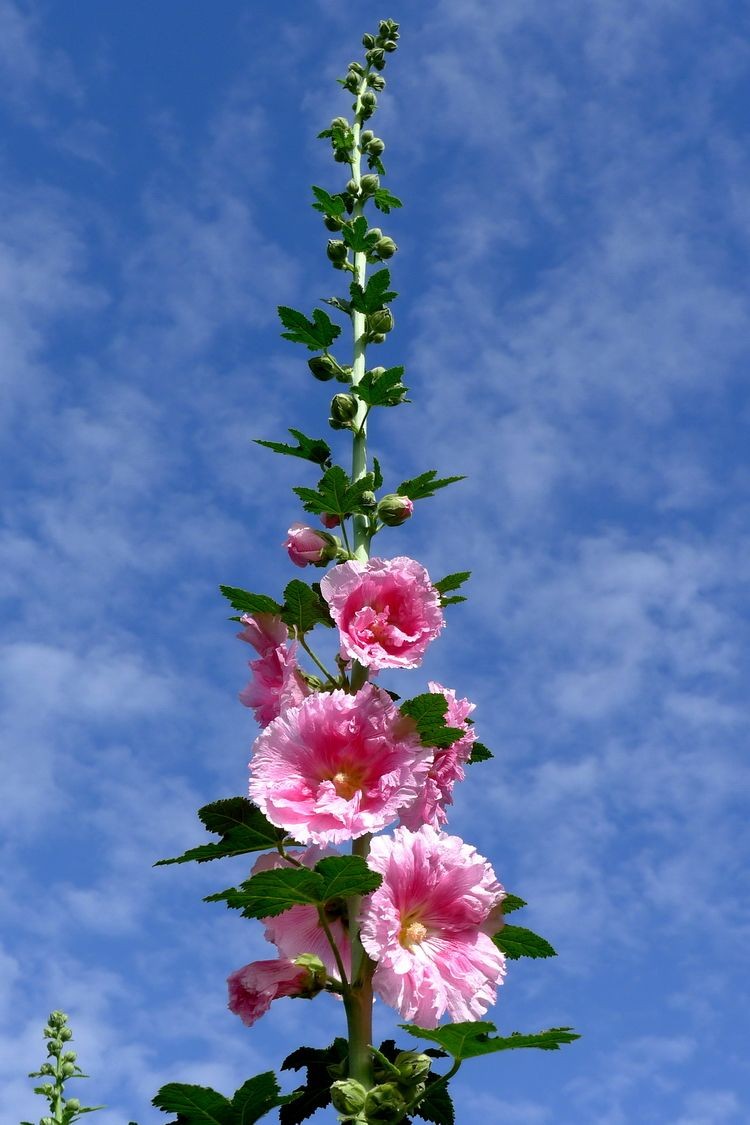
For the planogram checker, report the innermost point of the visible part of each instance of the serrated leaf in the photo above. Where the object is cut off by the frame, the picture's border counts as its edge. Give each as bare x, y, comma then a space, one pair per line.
272, 892
452, 600
425, 485
375, 295
513, 902
309, 449
471, 1039
479, 753
376, 165
384, 201
316, 1093
339, 303
346, 875
436, 1105
304, 608
516, 941
249, 603
377, 473
428, 712
357, 236
194, 1105
335, 494
243, 829
385, 389
317, 334
326, 203
257, 1097
452, 581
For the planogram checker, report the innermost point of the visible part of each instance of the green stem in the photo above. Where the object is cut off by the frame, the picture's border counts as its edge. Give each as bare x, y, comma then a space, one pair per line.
359, 451
317, 662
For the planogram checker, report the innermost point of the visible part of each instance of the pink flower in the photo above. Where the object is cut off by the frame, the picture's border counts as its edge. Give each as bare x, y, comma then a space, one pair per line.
298, 930
337, 766
387, 611
253, 987
306, 545
426, 926
264, 631
275, 685
446, 769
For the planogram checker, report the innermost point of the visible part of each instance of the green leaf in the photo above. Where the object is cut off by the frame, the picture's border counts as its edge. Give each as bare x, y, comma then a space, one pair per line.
335, 493
316, 1093
515, 942
272, 892
452, 581
346, 875
436, 1105
339, 303
376, 165
257, 1097
357, 236
513, 902
375, 295
419, 488
384, 201
385, 389
317, 334
195, 1105
243, 829
249, 603
479, 753
304, 608
309, 449
428, 712
377, 474
326, 203
469, 1040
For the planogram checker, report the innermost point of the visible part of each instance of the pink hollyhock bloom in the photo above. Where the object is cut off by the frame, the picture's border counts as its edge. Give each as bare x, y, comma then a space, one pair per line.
387, 611
427, 926
337, 766
307, 546
264, 631
298, 930
276, 684
447, 767
254, 987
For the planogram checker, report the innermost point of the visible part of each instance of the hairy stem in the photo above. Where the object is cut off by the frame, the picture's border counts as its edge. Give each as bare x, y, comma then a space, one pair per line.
359, 451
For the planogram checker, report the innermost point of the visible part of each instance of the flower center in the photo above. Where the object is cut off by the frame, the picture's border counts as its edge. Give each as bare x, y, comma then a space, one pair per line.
345, 784
412, 933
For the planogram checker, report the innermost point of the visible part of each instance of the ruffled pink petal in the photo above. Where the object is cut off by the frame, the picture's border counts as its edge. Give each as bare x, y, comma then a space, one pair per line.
254, 987
447, 767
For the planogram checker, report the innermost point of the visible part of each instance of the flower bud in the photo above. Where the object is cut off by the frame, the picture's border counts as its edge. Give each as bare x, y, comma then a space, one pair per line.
376, 81
352, 187
376, 147
369, 102
65, 1034
54, 1047
46, 1089
376, 57
356, 67
343, 407
376, 231
348, 1096
385, 248
339, 123
323, 367
351, 82
73, 1103
365, 137
380, 322
412, 1066
317, 971
341, 155
333, 223
368, 41
329, 521
369, 183
306, 546
67, 1070
388, 29
394, 509
390, 45
384, 1103
368, 499
337, 252
377, 338
69, 1056
46, 1068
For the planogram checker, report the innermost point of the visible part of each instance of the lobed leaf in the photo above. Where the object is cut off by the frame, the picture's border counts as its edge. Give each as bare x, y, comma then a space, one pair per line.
428, 712
436, 1105
346, 875
335, 494
249, 603
309, 449
479, 753
452, 581
357, 235
328, 204
194, 1105
272, 892
375, 294
471, 1039
316, 1093
304, 608
243, 829
513, 902
257, 1097
425, 485
384, 201
516, 941
317, 334
385, 389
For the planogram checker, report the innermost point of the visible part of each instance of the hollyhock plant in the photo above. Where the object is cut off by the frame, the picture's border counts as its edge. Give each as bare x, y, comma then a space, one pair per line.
387, 611
414, 917
424, 926
337, 766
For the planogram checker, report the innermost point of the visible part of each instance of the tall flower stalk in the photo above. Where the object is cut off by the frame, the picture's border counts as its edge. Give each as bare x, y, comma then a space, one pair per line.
417, 916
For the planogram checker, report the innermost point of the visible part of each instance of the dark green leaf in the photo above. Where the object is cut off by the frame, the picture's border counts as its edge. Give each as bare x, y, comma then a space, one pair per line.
384, 201
452, 581
241, 825
339, 303
479, 753
428, 712
272, 892
317, 334
328, 204
335, 493
513, 902
249, 603
309, 449
194, 1105
377, 474
304, 608
376, 165
385, 389
469, 1040
315, 1094
357, 236
453, 600
375, 295
419, 488
257, 1097
346, 875
436, 1105
515, 941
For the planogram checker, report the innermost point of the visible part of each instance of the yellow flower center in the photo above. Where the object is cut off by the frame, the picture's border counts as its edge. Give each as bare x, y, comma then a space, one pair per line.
346, 785
412, 933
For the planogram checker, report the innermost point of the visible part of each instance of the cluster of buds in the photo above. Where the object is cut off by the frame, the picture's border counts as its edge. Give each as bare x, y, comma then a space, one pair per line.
60, 1066
398, 1084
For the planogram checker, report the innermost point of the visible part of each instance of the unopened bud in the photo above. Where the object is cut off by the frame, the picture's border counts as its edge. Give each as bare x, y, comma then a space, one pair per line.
341, 156
337, 252
385, 247
356, 67
375, 233
368, 499
65, 1034
54, 1047
384, 1103
377, 338
67, 1070
323, 367
412, 1066
69, 1056
376, 57
46, 1068
369, 102
348, 1096
377, 81
376, 147
73, 1103
394, 509
333, 223
343, 408
380, 322
351, 82
365, 137
390, 45
306, 546
368, 41
46, 1089
352, 187
388, 29
339, 123
369, 183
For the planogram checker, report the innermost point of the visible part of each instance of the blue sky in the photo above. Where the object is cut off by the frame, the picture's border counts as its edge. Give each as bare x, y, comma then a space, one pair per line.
574, 322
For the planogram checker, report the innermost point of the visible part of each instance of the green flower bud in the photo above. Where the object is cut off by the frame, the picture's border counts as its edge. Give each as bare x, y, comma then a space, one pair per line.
54, 1047
365, 137
390, 45
45, 1089
376, 57
377, 338
340, 123
412, 1066
352, 187
323, 367
68, 1070
343, 408
48, 1032
69, 1056
380, 322
384, 1103
368, 41
337, 252
356, 67
46, 1068
368, 499
369, 103
348, 1096
376, 231
65, 1034
337, 425
332, 223
388, 29
344, 375
341, 155
376, 81
73, 1103
370, 183
394, 510
376, 147
351, 82
385, 248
